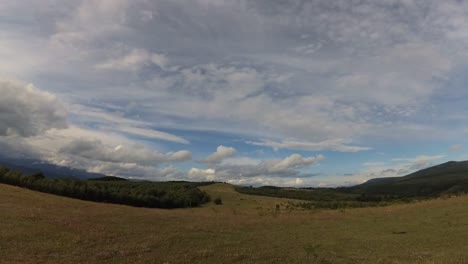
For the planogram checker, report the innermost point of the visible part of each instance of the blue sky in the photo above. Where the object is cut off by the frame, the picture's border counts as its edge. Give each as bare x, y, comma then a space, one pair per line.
256, 92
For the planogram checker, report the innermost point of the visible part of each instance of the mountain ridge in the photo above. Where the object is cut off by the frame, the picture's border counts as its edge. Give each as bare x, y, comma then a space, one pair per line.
448, 177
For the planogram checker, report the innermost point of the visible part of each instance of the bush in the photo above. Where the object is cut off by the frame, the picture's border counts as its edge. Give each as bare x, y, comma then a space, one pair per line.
218, 201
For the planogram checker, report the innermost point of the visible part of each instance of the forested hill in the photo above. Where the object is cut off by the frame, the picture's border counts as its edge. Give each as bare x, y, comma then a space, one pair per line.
447, 178
114, 190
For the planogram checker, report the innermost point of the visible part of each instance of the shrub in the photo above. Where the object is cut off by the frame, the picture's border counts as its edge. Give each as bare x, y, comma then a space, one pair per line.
218, 201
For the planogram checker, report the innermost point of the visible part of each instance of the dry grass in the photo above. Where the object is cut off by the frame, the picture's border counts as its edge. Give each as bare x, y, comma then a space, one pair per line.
42, 228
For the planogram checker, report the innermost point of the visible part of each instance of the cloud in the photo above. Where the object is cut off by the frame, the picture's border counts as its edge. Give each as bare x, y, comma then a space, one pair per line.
27, 111
396, 167
325, 69
135, 60
180, 155
332, 144
151, 133
135, 171
295, 161
373, 164
96, 150
118, 123
221, 153
456, 147
15, 147
342, 76
238, 169
202, 175
299, 181
422, 159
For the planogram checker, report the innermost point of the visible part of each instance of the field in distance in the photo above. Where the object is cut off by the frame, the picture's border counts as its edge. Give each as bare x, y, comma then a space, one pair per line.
42, 228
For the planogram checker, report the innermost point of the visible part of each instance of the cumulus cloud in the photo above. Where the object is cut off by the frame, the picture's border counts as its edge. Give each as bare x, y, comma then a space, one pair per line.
180, 155
339, 145
27, 111
221, 153
232, 169
202, 175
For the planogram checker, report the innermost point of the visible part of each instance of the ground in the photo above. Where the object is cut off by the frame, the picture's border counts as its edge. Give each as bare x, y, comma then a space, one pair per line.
42, 228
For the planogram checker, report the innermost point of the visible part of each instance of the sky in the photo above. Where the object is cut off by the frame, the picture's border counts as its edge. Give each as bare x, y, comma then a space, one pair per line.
253, 92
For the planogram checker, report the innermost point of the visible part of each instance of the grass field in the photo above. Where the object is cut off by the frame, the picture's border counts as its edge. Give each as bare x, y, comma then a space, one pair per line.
42, 228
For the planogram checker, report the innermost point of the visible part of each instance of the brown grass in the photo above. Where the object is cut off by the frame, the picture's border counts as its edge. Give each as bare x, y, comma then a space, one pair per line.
42, 228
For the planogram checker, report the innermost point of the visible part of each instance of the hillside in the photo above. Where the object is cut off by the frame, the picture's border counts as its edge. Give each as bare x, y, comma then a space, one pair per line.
42, 228
446, 178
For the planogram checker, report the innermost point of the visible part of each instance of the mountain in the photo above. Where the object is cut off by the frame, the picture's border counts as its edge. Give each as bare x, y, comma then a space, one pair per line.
31, 166
447, 178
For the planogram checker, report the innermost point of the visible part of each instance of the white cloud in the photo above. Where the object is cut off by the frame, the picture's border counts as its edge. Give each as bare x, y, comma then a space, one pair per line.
89, 21
295, 161
299, 181
180, 155
96, 150
135, 171
332, 144
135, 60
221, 153
395, 168
116, 122
373, 164
456, 147
27, 111
202, 175
150, 133
245, 170
305, 73
422, 159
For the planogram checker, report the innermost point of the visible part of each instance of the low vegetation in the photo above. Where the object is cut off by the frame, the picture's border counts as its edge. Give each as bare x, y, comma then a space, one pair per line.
114, 190
42, 228
322, 198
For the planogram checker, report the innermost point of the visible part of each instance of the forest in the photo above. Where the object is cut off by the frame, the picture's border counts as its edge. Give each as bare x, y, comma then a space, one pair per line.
114, 190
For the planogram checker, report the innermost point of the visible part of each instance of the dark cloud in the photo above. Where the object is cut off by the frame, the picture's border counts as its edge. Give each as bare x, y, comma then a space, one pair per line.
27, 111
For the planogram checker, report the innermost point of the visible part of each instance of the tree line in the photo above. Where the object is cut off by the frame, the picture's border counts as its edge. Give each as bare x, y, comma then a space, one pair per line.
325, 198
141, 194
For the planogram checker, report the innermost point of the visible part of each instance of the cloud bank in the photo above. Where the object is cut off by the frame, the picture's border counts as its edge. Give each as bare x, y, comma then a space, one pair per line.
27, 111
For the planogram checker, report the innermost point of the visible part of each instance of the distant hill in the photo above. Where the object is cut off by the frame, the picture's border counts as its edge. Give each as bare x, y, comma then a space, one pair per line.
31, 166
108, 178
447, 178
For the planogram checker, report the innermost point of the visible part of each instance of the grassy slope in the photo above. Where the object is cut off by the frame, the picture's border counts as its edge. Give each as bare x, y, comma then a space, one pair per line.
41, 228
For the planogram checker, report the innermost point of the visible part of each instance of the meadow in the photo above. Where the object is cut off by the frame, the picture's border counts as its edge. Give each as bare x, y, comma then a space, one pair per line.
43, 228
